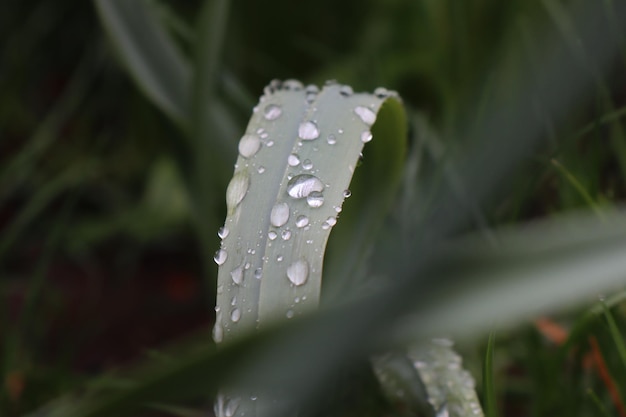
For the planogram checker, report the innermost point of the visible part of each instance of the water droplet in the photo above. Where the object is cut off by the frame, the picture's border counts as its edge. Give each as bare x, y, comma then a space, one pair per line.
293, 160
308, 131
302, 221
346, 91
218, 331
249, 145
272, 235
262, 133
220, 257
258, 273
289, 314
366, 136
298, 272
331, 221
331, 139
237, 275
366, 115
233, 301
220, 289
269, 143
286, 234
279, 258
310, 97
260, 169
381, 92
292, 85
337, 209
347, 193
235, 315
307, 164
272, 112
279, 214
237, 189
302, 185
312, 88
340, 131
223, 232
315, 199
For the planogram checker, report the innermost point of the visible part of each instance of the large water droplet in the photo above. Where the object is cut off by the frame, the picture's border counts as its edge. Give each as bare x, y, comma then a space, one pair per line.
272, 235
302, 221
235, 315
302, 185
237, 189
237, 275
315, 199
366, 136
223, 232
220, 257
331, 221
272, 112
279, 214
293, 160
347, 193
308, 131
298, 272
249, 145
366, 115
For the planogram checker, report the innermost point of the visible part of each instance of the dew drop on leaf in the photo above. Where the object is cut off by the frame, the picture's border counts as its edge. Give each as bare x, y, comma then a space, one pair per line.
218, 331
258, 273
302, 220
223, 232
331, 139
302, 185
315, 199
220, 257
366, 136
286, 234
307, 164
272, 112
347, 193
235, 315
279, 214
237, 189
366, 115
346, 90
308, 131
298, 272
272, 235
237, 275
249, 145
293, 160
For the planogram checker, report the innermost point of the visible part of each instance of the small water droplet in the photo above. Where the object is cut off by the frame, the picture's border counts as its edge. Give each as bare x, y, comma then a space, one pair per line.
237, 275
331, 139
289, 314
223, 232
331, 221
218, 331
220, 257
298, 272
340, 131
260, 169
258, 273
280, 214
279, 258
272, 112
233, 301
269, 143
308, 131
315, 199
302, 185
346, 90
292, 85
366, 115
381, 92
296, 300
312, 88
293, 160
347, 193
272, 235
366, 136
249, 145
286, 234
307, 164
237, 189
338, 209
235, 315
302, 221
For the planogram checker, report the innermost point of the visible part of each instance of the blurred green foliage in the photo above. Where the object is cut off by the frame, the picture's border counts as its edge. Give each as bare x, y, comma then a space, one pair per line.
95, 177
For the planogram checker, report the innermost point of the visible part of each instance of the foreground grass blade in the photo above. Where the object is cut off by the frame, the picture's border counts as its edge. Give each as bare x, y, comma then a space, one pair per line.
149, 54
295, 164
489, 386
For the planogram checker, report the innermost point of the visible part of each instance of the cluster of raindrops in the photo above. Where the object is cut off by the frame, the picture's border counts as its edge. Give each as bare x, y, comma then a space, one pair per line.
451, 389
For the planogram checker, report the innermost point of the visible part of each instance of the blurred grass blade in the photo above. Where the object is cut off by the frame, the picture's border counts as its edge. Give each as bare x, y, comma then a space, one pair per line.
489, 386
615, 334
149, 54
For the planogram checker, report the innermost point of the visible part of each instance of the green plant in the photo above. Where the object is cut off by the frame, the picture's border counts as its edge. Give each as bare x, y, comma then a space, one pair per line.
420, 276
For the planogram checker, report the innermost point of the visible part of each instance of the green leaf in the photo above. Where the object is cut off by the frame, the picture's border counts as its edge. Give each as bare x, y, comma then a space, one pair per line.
149, 54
